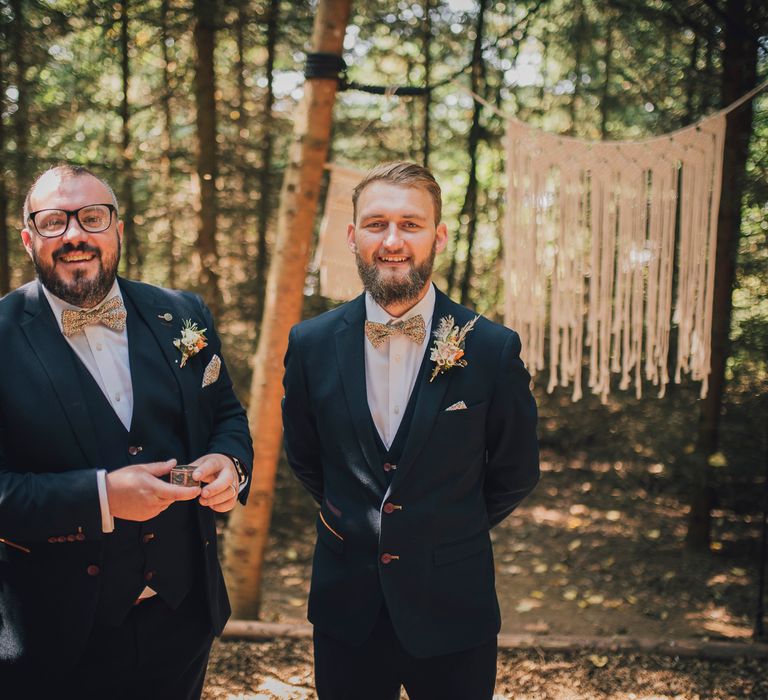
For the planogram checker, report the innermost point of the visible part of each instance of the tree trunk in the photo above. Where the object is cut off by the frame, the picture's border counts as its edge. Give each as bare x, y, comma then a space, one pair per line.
606, 96
738, 77
427, 50
20, 34
469, 210
249, 527
691, 82
267, 151
5, 265
206, 258
581, 23
166, 161
132, 255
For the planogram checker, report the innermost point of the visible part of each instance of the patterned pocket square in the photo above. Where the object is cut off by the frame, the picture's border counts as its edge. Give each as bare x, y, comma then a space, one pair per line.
458, 406
211, 373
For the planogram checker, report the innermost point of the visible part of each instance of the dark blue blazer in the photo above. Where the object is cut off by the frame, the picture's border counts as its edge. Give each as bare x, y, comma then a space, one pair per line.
49, 508
461, 472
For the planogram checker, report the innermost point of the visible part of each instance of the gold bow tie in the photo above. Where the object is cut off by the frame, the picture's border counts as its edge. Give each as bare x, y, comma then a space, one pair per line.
111, 313
413, 329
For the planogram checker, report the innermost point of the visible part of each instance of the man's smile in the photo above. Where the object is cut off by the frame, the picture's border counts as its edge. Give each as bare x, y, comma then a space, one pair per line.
76, 257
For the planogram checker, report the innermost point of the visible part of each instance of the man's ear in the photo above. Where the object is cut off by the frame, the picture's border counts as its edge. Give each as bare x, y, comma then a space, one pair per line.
119, 227
26, 239
441, 237
351, 244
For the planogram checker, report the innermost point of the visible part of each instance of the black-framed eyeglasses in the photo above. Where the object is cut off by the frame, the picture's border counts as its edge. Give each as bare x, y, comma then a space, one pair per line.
93, 218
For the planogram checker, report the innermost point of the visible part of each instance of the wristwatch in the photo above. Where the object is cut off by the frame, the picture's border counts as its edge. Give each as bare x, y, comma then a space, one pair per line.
241, 473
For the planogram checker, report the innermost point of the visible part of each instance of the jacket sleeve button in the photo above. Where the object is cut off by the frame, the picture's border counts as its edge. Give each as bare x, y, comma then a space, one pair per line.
93, 570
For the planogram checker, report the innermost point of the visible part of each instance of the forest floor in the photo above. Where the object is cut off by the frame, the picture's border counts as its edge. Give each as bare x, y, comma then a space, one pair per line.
597, 550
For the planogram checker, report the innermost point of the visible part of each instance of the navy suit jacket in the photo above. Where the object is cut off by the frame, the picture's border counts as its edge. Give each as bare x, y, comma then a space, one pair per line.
461, 472
49, 503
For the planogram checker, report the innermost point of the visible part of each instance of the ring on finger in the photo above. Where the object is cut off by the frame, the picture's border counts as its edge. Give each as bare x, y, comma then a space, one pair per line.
234, 490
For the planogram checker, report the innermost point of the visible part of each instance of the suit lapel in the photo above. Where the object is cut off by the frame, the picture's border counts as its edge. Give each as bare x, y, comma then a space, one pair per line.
431, 394
350, 354
164, 320
58, 361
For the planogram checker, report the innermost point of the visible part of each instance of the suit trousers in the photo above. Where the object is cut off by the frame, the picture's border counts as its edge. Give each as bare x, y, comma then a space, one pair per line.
378, 668
157, 653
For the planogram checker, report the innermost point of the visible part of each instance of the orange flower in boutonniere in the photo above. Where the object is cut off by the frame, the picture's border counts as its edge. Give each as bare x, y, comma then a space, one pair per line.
192, 341
448, 350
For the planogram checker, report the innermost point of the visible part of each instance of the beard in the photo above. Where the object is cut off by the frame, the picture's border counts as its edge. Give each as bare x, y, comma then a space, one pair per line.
81, 291
386, 290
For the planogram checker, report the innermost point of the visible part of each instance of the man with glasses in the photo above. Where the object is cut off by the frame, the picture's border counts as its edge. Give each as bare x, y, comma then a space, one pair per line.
110, 585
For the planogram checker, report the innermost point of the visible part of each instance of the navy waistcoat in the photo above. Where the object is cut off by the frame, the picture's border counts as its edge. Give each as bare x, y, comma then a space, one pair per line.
160, 552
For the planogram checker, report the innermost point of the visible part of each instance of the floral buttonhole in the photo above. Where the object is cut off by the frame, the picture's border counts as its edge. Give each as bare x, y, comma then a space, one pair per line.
192, 341
448, 348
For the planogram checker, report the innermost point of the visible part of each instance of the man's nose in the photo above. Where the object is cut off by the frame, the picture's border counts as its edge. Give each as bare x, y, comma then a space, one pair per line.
393, 240
74, 230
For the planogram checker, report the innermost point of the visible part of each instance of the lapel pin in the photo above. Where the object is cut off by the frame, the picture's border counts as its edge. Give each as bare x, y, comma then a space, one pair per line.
166, 317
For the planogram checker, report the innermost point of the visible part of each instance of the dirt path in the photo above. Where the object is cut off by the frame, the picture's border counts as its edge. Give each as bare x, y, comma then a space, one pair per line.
283, 669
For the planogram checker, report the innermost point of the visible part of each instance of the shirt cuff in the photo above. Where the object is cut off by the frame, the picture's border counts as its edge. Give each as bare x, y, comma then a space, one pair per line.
243, 485
107, 521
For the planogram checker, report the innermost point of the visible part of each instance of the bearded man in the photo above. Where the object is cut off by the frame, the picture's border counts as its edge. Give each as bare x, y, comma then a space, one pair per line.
110, 586
411, 423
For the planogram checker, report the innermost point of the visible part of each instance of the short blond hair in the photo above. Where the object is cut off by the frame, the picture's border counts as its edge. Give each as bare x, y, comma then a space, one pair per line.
403, 174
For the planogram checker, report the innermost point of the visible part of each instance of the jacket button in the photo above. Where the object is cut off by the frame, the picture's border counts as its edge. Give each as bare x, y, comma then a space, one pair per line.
149, 575
388, 467
61, 538
389, 508
52, 540
70, 538
93, 570
386, 558
133, 450
148, 537
79, 536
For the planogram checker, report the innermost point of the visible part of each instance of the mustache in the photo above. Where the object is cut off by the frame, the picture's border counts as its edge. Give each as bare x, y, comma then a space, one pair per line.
68, 248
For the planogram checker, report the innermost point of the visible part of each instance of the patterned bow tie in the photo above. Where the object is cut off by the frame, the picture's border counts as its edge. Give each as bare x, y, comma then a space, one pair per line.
111, 313
413, 329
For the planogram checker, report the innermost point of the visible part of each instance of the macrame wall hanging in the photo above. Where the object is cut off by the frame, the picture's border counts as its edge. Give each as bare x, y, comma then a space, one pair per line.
607, 245
334, 260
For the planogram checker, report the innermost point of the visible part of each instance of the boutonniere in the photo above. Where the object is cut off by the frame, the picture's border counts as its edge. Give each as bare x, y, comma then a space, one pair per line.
448, 350
192, 341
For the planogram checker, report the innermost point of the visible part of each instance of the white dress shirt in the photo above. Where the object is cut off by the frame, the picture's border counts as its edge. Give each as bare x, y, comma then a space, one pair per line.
392, 368
104, 352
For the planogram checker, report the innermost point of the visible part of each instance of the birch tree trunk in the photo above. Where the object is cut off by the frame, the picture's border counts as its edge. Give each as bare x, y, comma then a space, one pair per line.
248, 530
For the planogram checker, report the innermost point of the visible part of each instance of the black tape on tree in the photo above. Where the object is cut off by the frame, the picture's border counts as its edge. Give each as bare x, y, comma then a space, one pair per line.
324, 65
